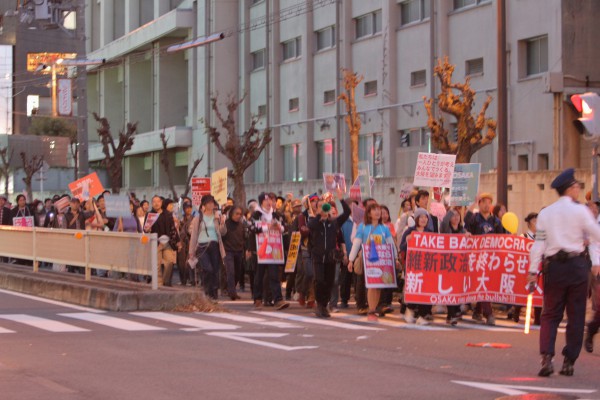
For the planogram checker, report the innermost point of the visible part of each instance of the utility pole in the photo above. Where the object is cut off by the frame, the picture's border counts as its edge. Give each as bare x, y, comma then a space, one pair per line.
81, 84
502, 170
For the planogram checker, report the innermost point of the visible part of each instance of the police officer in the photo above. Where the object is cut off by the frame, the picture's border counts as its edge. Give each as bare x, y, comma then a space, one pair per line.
562, 229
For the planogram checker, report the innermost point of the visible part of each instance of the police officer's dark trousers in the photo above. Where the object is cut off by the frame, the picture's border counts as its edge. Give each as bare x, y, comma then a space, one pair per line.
565, 287
594, 324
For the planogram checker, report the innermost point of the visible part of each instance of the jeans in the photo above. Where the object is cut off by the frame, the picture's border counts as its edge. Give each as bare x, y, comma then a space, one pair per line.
233, 262
565, 287
209, 260
272, 270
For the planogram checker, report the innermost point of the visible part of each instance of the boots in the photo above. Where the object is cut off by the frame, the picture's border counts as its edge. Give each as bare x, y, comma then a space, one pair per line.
568, 367
588, 343
547, 367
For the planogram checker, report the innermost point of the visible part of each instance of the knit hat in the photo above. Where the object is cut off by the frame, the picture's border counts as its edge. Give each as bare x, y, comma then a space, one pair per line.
420, 211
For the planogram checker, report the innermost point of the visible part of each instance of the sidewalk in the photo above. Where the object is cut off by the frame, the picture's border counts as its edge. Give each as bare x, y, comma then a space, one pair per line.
101, 293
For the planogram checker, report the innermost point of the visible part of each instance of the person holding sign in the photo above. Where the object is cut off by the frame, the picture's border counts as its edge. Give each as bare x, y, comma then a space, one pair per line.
22, 210
371, 230
206, 244
323, 238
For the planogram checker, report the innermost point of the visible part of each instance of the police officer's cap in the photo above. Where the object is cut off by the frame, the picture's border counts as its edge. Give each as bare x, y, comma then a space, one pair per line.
564, 180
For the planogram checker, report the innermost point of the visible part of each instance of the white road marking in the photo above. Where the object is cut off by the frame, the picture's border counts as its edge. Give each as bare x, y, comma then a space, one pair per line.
194, 323
3, 330
48, 301
246, 337
112, 322
392, 322
42, 323
317, 321
253, 320
514, 390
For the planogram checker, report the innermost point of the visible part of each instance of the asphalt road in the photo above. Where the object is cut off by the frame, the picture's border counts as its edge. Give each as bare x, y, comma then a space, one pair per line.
51, 350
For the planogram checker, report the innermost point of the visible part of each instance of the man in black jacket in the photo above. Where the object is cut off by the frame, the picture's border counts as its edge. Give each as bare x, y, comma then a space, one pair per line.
5, 214
323, 242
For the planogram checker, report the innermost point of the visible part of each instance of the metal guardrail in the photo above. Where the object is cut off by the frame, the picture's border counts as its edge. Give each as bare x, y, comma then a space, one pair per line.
132, 253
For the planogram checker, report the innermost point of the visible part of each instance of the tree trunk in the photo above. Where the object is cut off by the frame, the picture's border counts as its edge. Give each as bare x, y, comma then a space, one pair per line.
28, 190
116, 181
75, 154
239, 190
463, 156
354, 154
6, 187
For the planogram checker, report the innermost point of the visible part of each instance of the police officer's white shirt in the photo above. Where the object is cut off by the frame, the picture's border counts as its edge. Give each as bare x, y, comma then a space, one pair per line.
564, 225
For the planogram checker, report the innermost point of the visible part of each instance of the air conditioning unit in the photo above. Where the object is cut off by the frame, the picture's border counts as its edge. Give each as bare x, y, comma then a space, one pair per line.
42, 11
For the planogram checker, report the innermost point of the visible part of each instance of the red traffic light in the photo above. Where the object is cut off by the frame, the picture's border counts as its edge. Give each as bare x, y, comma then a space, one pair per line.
586, 104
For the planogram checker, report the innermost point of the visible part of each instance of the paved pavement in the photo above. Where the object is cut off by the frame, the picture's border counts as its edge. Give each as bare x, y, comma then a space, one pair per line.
52, 350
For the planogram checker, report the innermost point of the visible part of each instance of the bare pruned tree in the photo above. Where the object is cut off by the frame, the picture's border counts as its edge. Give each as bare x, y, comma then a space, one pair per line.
470, 130
30, 167
114, 153
6, 159
241, 150
166, 163
351, 81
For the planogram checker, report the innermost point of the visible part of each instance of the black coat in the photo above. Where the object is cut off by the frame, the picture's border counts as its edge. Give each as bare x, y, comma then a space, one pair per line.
6, 216
323, 235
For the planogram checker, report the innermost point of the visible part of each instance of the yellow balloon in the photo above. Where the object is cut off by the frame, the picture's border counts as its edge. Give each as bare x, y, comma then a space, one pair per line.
510, 222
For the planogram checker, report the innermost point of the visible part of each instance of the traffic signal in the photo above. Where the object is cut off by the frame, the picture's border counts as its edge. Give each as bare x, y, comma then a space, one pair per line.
588, 104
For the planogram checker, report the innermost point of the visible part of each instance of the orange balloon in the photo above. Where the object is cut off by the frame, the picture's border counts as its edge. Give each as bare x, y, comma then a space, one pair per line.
78, 235
144, 239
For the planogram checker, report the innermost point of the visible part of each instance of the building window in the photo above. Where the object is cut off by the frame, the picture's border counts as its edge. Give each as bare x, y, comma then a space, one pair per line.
253, 2
474, 67
370, 148
523, 161
291, 163
371, 88
418, 78
543, 162
294, 104
537, 55
418, 137
326, 38
405, 139
262, 110
414, 11
325, 157
329, 97
466, 3
292, 48
258, 59
368, 24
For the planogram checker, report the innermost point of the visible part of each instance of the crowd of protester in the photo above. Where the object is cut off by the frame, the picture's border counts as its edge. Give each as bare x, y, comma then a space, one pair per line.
214, 246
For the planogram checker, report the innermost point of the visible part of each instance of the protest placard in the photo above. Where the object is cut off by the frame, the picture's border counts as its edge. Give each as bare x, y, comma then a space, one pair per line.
380, 274
150, 220
117, 206
465, 184
364, 178
23, 222
61, 204
218, 186
358, 214
355, 191
269, 245
200, 187
405, 190
434, 170
459, 269
333, 182
86, 187
292, 257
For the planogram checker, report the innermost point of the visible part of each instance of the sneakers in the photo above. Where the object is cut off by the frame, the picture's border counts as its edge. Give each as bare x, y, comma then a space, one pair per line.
422, 321
362, 311
490, 320
258, 304
372, 317
547, 367
343, 305
322, 312
387, 309
477, 317
568, 367
280, 305
409, 316
301, 300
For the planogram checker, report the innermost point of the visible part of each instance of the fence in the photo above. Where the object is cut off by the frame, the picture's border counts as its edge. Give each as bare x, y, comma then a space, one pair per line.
131, 253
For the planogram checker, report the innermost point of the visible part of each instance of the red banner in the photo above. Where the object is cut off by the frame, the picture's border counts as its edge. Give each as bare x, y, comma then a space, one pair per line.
460, 269
269, 245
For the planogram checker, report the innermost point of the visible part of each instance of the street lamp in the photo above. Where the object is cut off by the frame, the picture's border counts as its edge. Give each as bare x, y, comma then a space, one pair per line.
196, 42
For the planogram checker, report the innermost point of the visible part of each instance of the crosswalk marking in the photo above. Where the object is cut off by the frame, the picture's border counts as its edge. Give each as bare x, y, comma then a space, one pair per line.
315, 321
198, 324
3, 330
253, 320
113, 322
392, 322
42, 323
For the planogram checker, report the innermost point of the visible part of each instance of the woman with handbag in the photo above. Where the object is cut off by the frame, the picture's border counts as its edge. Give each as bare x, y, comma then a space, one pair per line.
372, 231
206, 245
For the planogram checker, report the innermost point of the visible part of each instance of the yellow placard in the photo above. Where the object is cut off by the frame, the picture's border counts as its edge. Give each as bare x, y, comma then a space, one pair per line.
218, 186
290, 264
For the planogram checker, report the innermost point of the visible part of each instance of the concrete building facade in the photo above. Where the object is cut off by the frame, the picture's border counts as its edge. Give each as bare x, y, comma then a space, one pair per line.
286, 55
